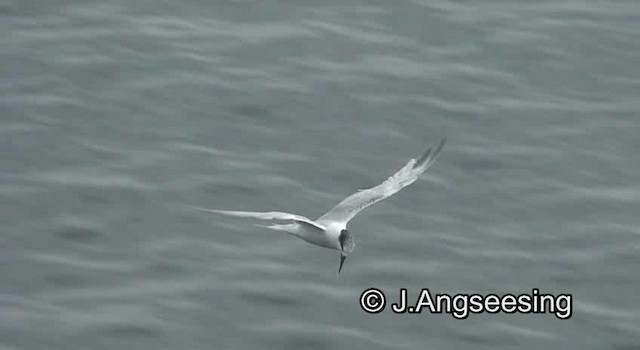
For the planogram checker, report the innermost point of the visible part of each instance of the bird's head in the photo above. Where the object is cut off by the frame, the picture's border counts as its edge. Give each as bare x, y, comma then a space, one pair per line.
346, 246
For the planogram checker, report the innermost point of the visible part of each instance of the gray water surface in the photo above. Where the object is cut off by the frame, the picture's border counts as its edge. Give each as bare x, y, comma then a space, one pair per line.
114, 114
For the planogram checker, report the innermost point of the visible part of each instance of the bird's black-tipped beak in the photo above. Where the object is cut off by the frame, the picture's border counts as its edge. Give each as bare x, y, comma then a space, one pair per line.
342, 257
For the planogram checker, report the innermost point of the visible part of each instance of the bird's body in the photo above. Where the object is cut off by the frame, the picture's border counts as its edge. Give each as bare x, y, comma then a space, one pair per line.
330, 238
330, 230
327, 238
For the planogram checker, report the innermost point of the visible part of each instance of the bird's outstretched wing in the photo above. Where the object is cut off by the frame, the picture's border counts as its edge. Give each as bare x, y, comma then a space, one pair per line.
269, 215
350, 206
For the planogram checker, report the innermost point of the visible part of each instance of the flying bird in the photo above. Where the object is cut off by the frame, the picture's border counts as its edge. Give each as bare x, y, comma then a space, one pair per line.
330, 230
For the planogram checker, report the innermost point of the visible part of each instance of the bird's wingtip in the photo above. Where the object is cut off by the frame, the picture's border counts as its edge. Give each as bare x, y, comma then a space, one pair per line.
423, 159
199, 208
441, 144
430, 154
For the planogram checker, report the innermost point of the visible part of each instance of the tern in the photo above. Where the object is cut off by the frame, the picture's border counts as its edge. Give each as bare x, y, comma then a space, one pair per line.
330, 230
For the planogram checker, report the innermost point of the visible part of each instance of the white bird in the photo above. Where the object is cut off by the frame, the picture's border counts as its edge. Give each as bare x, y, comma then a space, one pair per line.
330, 230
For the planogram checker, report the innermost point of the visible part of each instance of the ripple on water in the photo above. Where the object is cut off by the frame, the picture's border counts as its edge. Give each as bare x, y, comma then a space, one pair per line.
79, 233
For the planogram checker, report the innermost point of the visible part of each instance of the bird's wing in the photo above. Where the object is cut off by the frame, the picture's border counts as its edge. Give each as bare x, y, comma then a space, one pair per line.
269, 215
350, 206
